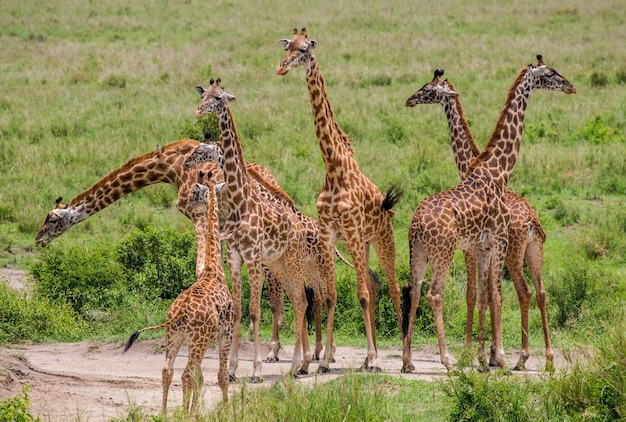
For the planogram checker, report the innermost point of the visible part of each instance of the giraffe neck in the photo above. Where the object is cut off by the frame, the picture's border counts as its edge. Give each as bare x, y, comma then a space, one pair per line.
498, 159
463, 142
213, 251
165, 166
235, 173
334, 144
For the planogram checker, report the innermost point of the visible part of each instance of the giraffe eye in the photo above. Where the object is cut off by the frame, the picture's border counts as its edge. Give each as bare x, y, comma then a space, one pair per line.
303, 50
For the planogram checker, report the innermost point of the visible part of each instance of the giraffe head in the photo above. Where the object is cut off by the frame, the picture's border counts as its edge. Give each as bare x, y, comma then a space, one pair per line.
57, 222
214, 98
436, 91
200, 190
548, 78
206, 153
298, 51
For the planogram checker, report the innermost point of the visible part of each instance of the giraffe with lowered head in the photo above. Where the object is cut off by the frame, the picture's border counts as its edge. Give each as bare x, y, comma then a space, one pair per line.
200, 314
350, 207
261, 232
473, 217
526, 235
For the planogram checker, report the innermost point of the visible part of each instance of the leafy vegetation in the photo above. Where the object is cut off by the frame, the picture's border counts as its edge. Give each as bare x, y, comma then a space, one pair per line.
85, 91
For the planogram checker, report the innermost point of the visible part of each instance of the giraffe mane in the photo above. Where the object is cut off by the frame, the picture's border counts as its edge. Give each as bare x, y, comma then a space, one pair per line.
272, 188
499, 124
130, 163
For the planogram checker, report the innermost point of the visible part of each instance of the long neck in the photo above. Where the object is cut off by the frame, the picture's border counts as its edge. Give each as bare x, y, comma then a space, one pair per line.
334, 144
461, 138
499, 157
235, 174
165, 166
213, 251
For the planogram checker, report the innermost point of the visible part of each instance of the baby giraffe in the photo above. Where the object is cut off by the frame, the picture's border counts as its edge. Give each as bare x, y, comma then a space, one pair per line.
199, 315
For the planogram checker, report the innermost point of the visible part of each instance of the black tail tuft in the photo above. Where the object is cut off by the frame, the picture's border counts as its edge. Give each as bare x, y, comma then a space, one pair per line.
392, 197
375, 279
310, 309
406, 308
130, 341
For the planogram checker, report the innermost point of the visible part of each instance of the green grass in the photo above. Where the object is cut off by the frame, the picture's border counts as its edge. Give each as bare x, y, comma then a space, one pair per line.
83, 92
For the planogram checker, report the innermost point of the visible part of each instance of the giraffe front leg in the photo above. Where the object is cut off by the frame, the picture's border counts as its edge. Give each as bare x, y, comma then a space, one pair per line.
470, 296
234, 264
495, 306
327, 248
255, 276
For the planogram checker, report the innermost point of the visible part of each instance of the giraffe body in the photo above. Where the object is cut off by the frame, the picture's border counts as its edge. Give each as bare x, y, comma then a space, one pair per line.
264, 232
201, 314
526, 236
350, 207
473, 217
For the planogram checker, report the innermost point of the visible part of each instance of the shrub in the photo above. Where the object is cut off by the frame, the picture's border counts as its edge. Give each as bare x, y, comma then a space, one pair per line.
87, 279
568, 297
160, 262
17, 409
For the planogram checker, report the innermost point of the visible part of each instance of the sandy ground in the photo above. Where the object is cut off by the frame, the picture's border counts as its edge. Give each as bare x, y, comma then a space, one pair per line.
96, 382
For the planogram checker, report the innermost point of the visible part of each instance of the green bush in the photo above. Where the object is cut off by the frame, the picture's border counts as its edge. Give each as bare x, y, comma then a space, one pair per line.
17, 409
87, 279
23, 318
160, 263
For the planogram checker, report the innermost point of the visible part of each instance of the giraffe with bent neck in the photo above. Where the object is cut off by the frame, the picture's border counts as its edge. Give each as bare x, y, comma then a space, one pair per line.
201, 314
473, 217
262, 232
526, 235
350, 207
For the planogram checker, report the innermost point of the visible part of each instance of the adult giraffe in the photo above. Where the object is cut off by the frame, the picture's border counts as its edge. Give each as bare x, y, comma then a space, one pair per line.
472, 216
526, 236
350, 207
261, 232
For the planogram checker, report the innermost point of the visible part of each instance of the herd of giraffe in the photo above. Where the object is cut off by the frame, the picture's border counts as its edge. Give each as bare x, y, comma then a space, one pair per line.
265, 231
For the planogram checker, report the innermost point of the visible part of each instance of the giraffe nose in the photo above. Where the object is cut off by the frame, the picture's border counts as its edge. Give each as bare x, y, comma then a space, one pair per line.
282, 69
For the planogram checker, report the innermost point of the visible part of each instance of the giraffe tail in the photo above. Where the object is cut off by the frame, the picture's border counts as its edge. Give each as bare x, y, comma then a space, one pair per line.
130, 341
392, 197
310, 308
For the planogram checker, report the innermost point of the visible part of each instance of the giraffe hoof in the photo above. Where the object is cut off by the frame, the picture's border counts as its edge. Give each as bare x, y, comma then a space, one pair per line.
270, 360
302, 372
232, 378
323, 370
407, 369
483, 369
374, 369
255, 380
519, 367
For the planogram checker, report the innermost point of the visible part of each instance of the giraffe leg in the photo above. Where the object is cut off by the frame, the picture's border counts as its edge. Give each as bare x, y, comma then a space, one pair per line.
534, 261
356, 248
193, 379
173, 342
495, 300
234, 264
255, 276
470, 296
277, 307
224, 340
372, 289
483, 301
515, 265
418, 262
327, 239
435, 299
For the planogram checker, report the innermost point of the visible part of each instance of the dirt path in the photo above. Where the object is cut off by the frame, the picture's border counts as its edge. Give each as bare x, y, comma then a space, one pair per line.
95, 382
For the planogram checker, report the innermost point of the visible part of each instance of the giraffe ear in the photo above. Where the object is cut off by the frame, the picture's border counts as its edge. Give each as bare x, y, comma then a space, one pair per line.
219, 187
200, 90
284, 43
538, 71
313, 44
228, 97
445, 89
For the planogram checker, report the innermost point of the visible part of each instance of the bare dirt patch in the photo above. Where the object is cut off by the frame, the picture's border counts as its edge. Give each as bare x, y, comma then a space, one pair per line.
96, 382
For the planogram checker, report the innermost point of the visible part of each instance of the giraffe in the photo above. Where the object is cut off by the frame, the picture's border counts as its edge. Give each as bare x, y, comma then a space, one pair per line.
315, 268
263, 232
350, 207
526, 235
199, 315
472, 217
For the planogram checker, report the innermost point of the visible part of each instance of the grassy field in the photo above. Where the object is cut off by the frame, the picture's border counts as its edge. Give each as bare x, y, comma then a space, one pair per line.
85, 86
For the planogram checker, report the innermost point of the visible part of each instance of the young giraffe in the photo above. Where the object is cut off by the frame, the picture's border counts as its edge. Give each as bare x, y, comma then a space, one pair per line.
263, 232
473, 217
315, 269
526, 236
199, 315
350, 207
